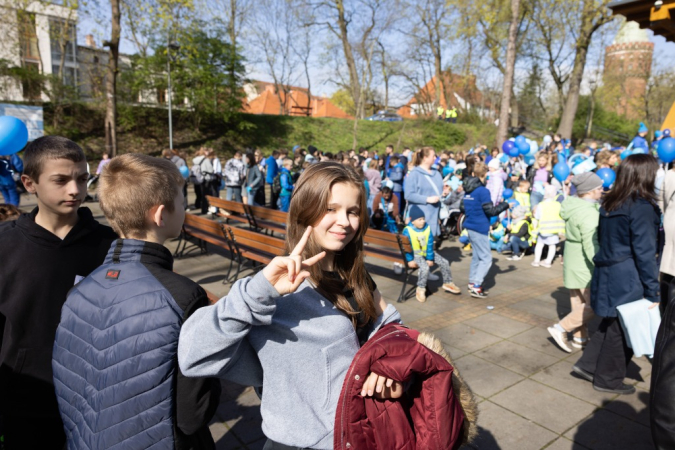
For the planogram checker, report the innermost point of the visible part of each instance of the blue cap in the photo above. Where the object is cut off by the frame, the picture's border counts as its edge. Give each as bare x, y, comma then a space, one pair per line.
657, 134
415, 213
643, 128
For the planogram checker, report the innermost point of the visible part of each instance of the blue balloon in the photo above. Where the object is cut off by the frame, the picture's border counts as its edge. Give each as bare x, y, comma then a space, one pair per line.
505, 223
534, 148
507, 146
493, 220
523, 147
626, 153
521, 140
529, 159
184, 171
513, 151
514, 204
666, 149
666, 132
561, 171
13, 135
508, 193
504, 158
608, 176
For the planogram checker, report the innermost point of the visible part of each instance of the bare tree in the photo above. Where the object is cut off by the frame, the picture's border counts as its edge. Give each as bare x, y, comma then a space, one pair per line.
111, 81
508, 73
594, 14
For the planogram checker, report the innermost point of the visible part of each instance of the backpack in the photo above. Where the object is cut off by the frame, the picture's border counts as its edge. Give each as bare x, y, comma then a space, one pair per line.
196, 175
276, 184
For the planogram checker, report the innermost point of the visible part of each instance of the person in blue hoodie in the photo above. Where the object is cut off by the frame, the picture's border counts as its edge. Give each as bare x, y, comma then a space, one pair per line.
424, 187
396, 173
9, 165
639, 143
478, 208
424, 257
286, 180
272, 172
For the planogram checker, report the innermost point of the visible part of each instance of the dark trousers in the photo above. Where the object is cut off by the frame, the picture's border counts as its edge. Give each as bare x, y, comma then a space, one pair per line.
209, 188
273, 199
23, 433
260, 196
607, 355
199, 197
516, 245
667, 291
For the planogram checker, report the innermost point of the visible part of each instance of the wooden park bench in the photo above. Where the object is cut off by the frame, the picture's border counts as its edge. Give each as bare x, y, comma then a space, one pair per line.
268, 220
205, 230
390, 247
254, 247
230, 210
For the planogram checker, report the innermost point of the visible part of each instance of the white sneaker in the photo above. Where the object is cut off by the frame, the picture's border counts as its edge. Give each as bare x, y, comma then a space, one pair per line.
559, 338
515, 257
580, 342
545, 264
535, 264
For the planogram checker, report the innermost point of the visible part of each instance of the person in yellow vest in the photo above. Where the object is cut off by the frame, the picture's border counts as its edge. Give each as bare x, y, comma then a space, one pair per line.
439, 112
453, 115
522, 194
550, 226
423, 256
520, 236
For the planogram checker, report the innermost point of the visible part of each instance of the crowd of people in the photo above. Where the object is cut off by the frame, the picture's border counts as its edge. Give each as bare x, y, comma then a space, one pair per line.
104, 345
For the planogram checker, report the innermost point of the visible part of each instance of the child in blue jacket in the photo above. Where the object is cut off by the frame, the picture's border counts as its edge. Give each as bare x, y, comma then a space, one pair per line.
10, 165
478, 208
286, 180
423, 255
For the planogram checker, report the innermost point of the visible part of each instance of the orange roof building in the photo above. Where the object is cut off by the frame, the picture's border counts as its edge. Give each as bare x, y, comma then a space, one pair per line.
462, 94
263, 98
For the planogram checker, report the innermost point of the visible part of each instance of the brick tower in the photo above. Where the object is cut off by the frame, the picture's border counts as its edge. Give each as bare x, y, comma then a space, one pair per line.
628, 64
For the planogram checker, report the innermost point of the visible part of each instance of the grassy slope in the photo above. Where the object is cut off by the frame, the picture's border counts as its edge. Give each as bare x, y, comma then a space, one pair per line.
145, 130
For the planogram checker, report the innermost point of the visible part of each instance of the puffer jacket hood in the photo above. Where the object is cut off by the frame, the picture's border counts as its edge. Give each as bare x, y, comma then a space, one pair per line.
437, 412
471, 184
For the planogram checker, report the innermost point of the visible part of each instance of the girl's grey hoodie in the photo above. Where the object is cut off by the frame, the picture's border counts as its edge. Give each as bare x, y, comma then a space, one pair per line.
304, 346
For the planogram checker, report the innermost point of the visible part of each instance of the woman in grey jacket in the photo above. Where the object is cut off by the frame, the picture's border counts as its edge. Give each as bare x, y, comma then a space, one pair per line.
303, 316
254, 179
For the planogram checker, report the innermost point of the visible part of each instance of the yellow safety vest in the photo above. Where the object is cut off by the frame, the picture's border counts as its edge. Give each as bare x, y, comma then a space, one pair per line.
453, 113
518, 225
523, 198
419, 240
448, 113
439, 111
550, 222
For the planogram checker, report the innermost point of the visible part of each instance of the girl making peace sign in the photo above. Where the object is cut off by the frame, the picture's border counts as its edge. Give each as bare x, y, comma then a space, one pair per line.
304, 315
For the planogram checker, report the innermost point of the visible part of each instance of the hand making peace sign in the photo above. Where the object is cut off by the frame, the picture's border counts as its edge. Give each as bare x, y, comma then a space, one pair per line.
286, 273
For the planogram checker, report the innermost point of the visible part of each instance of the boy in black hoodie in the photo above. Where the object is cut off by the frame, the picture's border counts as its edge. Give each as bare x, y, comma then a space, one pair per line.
44, 253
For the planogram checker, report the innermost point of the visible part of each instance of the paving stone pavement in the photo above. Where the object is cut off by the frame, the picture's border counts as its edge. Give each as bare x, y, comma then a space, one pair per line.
528, 397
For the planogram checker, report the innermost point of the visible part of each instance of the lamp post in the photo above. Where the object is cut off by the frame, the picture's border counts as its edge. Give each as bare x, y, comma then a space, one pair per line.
172, 46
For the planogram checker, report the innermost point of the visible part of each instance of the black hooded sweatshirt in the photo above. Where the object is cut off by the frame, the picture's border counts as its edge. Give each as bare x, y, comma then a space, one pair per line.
37, 270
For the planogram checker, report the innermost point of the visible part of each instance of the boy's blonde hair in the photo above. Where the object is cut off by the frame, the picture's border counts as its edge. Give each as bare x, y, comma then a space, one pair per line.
524, 184
479, 169
131, 185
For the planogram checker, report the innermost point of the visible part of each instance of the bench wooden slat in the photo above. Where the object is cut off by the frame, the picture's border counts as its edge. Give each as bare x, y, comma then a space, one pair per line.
230, 206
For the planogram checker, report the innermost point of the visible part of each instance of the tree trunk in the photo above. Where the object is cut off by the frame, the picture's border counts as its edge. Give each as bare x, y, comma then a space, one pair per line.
572, 102
111, 82
354, 83
515, 114
508, 74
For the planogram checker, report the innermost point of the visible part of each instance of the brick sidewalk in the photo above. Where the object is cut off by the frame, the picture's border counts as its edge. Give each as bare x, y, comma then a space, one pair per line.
528, 398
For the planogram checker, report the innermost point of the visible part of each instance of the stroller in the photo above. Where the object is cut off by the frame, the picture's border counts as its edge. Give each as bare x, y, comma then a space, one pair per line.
451, 226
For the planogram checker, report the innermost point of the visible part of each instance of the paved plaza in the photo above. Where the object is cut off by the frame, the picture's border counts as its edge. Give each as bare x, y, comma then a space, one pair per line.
528, 397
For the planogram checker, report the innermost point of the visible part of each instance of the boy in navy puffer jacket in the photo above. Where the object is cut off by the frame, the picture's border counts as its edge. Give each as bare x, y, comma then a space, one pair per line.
115, 354
478, 208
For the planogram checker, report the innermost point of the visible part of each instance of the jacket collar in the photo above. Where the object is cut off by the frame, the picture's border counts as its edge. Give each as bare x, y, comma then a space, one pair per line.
134, 250
34, 232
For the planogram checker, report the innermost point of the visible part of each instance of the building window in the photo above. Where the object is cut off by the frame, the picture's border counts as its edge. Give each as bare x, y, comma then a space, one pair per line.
28, 37
69, 75
31, 83
161, 96
62, 35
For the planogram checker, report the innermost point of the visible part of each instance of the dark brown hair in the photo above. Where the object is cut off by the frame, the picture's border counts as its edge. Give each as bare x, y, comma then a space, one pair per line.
420, 154
250, 159
49, 147
314, 188
635, 179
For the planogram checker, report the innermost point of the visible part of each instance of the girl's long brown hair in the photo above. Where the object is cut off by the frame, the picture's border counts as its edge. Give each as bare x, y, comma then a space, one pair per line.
635, 178
420, 154
309, 204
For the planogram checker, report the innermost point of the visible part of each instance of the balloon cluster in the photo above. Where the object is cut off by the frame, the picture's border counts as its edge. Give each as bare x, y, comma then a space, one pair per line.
13, 135
519, 146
